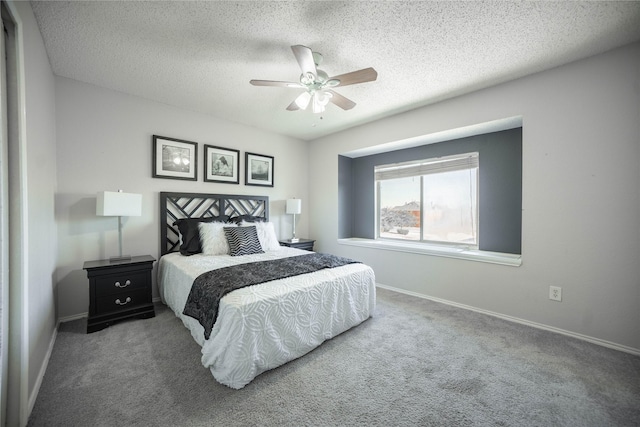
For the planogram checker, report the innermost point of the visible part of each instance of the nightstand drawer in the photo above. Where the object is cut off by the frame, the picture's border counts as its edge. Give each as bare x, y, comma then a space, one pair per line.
121, 301
117, 283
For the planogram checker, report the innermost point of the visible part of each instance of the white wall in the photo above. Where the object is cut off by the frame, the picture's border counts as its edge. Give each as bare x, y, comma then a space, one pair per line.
38, 147
581, 199
104, 143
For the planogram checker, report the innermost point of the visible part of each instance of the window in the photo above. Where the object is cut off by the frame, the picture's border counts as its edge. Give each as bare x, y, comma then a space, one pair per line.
431, 200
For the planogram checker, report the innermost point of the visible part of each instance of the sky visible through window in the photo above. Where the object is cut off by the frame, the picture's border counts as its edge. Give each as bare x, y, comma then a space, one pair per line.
444, 186
449, 211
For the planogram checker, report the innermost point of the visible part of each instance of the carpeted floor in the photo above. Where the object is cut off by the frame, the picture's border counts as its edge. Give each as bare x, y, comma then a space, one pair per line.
414, 363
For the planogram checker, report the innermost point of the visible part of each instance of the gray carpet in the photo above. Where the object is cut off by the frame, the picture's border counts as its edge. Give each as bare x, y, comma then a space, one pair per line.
414, 363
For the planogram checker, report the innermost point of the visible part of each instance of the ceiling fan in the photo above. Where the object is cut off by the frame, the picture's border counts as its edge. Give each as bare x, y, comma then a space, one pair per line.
317, 84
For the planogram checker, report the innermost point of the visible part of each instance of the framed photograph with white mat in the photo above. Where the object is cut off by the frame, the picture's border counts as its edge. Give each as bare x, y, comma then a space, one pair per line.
175, 158
221, 164
258, 170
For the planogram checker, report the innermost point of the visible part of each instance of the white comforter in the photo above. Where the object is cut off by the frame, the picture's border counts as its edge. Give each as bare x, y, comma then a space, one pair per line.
264, 326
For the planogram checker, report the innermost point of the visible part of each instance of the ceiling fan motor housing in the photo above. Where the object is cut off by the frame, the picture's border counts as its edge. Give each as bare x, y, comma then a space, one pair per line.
317, 81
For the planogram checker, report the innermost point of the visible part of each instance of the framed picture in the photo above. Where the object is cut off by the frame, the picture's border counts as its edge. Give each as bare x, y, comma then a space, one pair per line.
221, 164
174, 158
258, 170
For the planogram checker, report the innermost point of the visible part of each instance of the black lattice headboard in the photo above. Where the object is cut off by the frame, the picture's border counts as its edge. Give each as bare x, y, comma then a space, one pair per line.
198, 205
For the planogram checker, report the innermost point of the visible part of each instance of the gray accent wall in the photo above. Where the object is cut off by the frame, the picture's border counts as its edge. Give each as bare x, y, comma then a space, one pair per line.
345, 194
500, 187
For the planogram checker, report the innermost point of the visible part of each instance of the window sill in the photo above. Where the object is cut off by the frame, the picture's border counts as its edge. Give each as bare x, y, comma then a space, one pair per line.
434, 250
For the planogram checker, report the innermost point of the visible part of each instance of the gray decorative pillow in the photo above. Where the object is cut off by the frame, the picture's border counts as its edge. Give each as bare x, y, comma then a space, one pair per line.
243, 240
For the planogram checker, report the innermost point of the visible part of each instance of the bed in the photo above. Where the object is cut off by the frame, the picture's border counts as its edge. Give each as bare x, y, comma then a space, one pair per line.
262, 326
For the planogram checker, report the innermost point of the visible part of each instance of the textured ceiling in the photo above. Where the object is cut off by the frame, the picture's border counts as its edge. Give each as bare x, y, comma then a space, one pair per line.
200, 56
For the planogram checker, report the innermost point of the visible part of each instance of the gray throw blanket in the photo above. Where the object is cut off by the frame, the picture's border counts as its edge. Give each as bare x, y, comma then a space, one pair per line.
210, 287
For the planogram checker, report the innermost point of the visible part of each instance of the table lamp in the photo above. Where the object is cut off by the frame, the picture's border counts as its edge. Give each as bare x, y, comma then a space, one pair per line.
294, 207
111, 203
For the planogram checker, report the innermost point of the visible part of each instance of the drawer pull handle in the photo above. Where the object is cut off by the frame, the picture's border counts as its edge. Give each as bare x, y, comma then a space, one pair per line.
127, 301
127, 283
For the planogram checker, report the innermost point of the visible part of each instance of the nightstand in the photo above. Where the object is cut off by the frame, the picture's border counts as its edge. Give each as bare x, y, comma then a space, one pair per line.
119, 290
306, 244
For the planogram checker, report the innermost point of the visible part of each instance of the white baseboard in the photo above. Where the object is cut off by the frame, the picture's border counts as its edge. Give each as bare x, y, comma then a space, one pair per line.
43, 370
582, 337
72, 317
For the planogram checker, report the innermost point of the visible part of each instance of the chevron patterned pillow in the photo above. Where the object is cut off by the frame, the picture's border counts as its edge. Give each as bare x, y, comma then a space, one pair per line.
243, 240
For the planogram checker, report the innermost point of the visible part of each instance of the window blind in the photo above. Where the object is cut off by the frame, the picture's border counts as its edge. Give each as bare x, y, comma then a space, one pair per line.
424, 167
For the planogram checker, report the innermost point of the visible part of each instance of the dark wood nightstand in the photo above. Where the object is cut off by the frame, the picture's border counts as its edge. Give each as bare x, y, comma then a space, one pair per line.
119, 290
306, 244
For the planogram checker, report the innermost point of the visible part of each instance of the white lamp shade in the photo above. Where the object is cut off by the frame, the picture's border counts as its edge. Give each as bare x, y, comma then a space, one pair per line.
112, 203
294, 206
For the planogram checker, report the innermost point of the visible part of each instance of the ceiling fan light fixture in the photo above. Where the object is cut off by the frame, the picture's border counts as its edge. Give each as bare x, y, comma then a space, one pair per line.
320, 101
303, 100
324, 97
317, 107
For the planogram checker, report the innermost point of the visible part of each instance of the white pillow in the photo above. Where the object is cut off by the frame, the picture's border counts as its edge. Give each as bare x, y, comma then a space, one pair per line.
213, 239
266, 234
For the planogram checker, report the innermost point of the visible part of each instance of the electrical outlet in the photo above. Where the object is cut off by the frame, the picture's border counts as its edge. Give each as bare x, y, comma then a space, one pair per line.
555, 293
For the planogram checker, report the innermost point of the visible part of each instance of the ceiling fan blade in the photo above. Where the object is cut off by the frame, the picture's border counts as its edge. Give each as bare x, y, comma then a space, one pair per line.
300, 103
354, 77
293, 106
275, 83
304, 56
341, 101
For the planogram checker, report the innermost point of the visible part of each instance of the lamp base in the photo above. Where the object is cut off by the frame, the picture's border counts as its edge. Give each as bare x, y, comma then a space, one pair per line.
120, 258
294, 240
